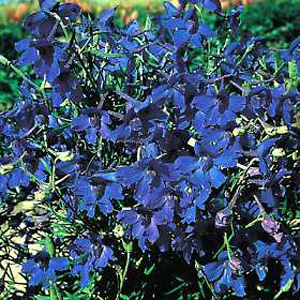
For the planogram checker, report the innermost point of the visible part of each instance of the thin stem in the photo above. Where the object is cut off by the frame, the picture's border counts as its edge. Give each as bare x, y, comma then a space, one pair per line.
7, 63
123, 276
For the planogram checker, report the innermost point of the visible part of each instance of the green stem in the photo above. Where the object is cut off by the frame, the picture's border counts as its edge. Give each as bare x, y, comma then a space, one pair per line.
258, 219
53, 175
53, 295
7, 63
226, 242
123, 276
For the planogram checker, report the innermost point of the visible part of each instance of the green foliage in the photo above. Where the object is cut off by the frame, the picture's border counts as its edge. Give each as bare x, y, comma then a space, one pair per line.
277, 21
8, 90
9, 35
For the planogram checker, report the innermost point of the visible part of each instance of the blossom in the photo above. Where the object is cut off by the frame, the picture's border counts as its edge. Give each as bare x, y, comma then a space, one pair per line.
89, 254
42, 268
227, 272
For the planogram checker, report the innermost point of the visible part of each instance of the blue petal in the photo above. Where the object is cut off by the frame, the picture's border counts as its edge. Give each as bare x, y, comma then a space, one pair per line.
138, 230
214, 5
46, 5
260, 271
152, 231
267, 197
143, 187
59, 263
199, 121
23, 45
214, 270
84, 245
238, 286
200, 201
217, 178
105, 206
18, 178
127, 216
29, 56
186, 163
29, 266
114, 191
227, 159
69, 10
106, 255
180, 37
189, 215
37, 277
164, 216
91, 136
80, 123
179, 100
129, 175
236, 103
85, 276
155, 198
203, 102
264, 147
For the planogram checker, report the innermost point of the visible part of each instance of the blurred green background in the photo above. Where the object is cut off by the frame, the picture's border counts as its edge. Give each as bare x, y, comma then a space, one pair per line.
276, 20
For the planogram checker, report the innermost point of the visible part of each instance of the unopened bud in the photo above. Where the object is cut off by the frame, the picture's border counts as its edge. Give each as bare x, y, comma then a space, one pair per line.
235, 264
118, 231
278, 152
64, 156
6, 168
238, 131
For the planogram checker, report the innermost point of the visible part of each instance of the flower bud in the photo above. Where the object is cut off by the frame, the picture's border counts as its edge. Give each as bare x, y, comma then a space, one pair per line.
64, 156
278, 152
6, 168
118, 231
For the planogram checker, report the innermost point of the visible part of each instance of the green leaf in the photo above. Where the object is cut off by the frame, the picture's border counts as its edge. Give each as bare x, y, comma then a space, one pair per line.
285, 288
127, 246
150, 270
105, 55
49, 246
176, 289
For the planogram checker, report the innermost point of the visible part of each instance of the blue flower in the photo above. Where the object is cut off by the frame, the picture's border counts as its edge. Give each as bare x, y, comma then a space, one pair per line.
80, 123
218, 109
106, 188
145, 224
42, 268
281, 252
263, 151
18, 178
227, 273
3, 187
89, 254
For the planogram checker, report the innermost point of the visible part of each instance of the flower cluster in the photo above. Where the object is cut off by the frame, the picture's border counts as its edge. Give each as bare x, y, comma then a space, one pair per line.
160, 129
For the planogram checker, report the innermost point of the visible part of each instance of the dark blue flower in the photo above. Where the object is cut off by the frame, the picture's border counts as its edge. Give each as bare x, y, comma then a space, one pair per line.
85, 196
218, 109
18, 178
227, 273
263, 151
281, 252
3, 187
80, 123
46, 5
89, 255
146, 224
42, 268
43, 54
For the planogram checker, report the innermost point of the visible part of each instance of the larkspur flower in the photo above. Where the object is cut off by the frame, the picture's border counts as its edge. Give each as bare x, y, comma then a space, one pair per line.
42, 268
89, 255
